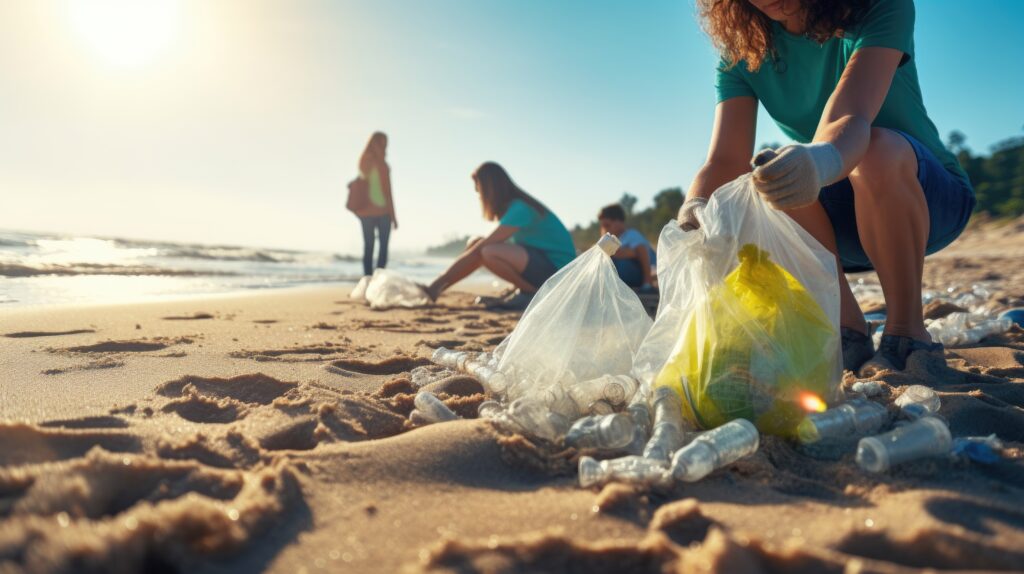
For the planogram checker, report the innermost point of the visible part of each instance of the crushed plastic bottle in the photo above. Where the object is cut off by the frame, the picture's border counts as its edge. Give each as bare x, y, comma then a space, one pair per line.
613, 389
918, 401
867, 388
923, 438
534, 419
1015, 315
982, 449
630, 469
958, 329
854, 419
714, 449
606, 432
432, 409
667, 436
477, 365
489, 409
417, 418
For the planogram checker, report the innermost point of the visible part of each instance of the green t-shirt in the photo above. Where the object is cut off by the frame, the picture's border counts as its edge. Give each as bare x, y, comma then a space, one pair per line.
544, 232
376, 188
795, 87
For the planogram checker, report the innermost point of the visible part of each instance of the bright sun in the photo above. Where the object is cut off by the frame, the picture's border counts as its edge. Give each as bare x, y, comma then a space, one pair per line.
126, 33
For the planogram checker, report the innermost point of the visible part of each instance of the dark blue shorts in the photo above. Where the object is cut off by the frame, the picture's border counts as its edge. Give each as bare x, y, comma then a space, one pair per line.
629, 271
950, 203
539, 267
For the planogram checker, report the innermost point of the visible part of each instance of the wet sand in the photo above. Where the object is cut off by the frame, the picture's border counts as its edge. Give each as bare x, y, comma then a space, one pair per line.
269, 433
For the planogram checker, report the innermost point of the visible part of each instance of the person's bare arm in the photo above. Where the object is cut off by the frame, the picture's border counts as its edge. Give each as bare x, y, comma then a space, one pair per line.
469, 261
855, 103
792, 176
732, 144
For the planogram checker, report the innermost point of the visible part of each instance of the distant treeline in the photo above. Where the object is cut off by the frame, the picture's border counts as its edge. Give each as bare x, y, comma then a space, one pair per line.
449, 248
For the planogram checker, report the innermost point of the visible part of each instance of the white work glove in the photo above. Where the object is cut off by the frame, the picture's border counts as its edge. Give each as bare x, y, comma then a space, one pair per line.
792, 176
688, 213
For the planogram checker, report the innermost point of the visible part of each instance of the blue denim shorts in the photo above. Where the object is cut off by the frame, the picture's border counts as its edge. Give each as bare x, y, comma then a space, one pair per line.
950, 200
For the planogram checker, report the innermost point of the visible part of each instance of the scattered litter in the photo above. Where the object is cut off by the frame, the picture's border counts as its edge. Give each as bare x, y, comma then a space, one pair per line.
924, 438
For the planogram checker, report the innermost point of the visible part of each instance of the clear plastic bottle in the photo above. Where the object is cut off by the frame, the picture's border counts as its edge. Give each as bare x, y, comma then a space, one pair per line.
605, 432
641, 415
615, 389
489, 409
417, 418
854, 419
667, 436
533, 417
715, 449
432, 409
918, 401
630, 469
923, 438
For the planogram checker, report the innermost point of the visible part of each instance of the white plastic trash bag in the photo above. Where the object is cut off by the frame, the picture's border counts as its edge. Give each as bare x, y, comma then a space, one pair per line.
583, 324
388, 289
748, 325
359, 291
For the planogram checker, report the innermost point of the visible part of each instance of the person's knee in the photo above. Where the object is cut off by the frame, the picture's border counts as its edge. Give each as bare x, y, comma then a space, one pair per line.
889, 155
489, 253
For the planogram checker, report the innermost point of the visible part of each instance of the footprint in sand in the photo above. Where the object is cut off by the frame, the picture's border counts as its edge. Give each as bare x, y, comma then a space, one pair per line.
31, 334
31, 444
256, 388
133, 346
390, 366
104, 363
198, 316
93, 422
310, 353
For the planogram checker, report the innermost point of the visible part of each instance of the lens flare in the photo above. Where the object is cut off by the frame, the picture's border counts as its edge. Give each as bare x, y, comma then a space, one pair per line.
811, 402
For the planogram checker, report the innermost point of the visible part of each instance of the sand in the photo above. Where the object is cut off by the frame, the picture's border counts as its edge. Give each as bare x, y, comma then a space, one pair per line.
269, 433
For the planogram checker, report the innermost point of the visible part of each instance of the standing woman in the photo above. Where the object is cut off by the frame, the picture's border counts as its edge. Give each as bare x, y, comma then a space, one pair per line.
869, 177
378, 213
528, 245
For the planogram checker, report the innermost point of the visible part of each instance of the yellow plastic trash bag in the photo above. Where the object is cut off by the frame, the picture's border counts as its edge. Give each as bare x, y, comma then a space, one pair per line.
748, 325
754, 351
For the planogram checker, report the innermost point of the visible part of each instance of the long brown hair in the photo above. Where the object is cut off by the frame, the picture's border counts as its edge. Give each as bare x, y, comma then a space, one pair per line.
742, 32
497, 191
373, 155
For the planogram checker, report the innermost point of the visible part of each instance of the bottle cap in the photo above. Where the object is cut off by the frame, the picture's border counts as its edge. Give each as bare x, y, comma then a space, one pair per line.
609, 244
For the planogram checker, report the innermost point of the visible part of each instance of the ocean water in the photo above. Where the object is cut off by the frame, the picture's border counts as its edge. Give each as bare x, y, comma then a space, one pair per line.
49, 269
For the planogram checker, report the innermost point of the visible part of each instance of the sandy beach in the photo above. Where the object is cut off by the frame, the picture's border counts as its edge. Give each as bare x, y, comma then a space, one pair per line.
269, 433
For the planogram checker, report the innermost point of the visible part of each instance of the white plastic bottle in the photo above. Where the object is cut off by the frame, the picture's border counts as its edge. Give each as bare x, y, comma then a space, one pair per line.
924, 438
432, 409
854, 419
630, 469
533, 417
715, 449
604, 432
614, 389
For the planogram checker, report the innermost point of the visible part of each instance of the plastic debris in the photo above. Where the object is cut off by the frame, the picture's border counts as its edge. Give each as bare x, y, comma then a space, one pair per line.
959, 329
714, 449
359, 292
630, 469
388, 289
432, 409
918, 401
667, 435
1016, 315
854, 419
867, 388
923, 438
981, 449
604, 432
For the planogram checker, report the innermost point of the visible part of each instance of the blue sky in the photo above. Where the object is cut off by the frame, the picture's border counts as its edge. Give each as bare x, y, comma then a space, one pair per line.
245, 123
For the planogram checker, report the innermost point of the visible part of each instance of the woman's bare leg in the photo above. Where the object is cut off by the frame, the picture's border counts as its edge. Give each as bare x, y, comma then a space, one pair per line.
508, 262
892, 220
815, 221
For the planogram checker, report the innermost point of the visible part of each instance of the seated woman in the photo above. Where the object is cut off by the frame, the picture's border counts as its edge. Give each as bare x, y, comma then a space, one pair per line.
529, 244
635, 257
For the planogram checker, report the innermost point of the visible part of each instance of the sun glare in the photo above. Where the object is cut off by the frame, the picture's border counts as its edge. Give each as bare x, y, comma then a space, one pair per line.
125, 33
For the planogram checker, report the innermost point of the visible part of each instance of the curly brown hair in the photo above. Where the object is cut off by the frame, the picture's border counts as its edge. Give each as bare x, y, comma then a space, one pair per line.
741, 32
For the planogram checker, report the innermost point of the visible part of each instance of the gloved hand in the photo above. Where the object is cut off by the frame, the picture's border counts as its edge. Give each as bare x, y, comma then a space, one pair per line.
688, 213
793, 175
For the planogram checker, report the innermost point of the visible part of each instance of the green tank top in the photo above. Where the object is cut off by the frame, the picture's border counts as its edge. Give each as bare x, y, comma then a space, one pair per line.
376, 188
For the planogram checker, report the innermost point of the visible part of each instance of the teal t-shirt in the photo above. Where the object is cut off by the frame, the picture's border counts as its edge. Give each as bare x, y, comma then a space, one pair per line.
544, 232
795, 86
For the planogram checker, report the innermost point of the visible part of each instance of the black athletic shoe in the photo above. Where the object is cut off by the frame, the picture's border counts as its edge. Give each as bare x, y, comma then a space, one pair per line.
893, 352
857, 348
